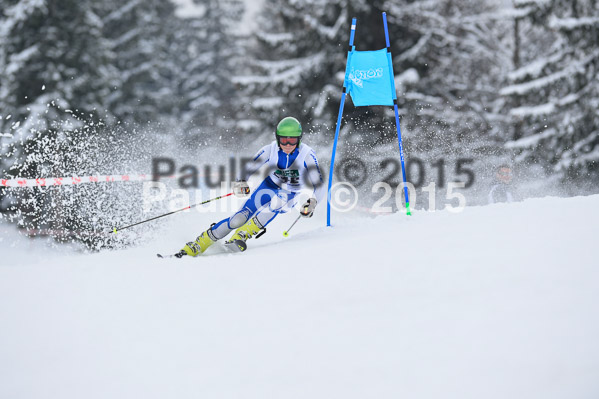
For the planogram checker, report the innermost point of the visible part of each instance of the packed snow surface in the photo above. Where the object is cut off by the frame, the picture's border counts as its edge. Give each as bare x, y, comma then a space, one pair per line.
497, 301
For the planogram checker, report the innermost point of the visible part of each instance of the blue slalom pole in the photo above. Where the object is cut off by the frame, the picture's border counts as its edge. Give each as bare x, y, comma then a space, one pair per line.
401, 155
333, 157
337, 128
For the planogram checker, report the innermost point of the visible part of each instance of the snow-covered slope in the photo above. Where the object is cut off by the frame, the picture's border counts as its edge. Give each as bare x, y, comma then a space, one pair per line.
494, 302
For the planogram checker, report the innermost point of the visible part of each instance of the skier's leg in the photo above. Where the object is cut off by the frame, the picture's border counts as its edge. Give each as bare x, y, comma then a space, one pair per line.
256, 226
261, 196
252, 227
275, 207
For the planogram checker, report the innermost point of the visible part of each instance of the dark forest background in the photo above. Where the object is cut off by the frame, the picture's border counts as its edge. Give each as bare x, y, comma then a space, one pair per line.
480, 83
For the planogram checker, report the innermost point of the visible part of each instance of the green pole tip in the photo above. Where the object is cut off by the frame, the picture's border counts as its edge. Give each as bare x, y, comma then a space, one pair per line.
286, 234
408, 209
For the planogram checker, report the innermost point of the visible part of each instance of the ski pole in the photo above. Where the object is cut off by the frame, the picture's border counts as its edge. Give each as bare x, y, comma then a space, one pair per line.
114, 230
286, 233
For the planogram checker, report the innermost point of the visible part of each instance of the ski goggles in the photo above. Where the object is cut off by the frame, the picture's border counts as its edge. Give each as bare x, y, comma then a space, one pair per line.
288, 140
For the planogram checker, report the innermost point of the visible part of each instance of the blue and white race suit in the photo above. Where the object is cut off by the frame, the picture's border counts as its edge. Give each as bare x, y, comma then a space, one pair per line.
288, 175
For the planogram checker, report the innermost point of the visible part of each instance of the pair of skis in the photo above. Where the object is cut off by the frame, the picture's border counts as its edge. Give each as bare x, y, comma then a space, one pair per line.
233, 246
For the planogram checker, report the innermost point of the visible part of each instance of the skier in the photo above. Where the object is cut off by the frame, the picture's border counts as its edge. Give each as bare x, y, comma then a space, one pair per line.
501, 192
292, 167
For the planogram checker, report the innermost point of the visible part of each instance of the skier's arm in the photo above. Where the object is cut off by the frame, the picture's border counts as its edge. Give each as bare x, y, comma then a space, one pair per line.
315, 176
260, 159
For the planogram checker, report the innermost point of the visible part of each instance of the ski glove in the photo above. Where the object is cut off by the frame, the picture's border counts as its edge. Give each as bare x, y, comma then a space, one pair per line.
241, 188
307, 210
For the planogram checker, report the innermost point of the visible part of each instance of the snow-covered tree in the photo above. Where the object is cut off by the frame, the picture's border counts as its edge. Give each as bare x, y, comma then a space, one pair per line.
55, 76
450, 57
174, 69
55, 68
210, 52
297, 59
141, 34
555, 96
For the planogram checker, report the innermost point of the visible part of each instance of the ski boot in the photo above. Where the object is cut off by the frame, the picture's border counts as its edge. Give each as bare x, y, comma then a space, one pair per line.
201, 244
248, 230
252, 228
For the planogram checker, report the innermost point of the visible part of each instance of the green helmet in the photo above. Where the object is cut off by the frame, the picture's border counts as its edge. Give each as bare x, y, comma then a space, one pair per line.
289, 127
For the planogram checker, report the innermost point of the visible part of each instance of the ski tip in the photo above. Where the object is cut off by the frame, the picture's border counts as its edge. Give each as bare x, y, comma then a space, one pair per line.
179, 254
